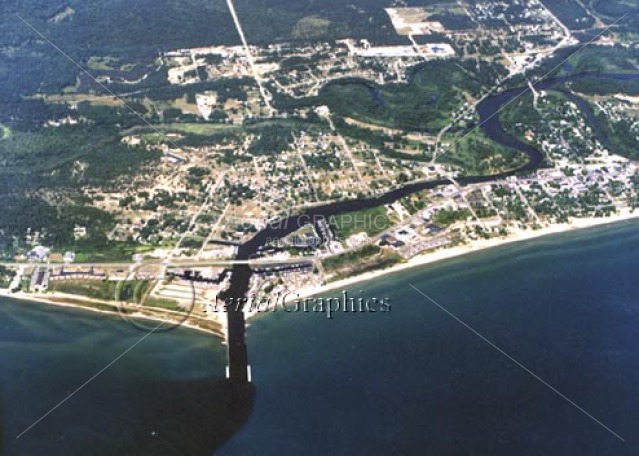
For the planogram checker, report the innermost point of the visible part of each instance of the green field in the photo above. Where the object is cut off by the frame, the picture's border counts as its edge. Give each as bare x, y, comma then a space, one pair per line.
194, 129
95, 289
369, 258
113, 252
133, 291
445, 217
475, 155
311, 27
371, 221
203, 129
6, 132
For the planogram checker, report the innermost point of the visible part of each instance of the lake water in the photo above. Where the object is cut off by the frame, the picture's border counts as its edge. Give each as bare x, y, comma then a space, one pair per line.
166, 396
411, 381
416, 382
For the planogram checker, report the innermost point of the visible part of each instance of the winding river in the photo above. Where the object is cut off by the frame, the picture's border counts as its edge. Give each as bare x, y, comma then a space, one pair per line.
488, 111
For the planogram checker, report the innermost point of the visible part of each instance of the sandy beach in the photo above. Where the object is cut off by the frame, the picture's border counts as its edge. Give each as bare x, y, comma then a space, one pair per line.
475, 246
62, 300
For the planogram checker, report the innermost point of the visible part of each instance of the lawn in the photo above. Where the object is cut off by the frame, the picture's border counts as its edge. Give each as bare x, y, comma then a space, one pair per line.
371, 221
477, 155
369, 258
6, 132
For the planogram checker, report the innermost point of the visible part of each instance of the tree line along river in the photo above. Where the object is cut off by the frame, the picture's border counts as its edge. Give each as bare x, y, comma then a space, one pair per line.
488, 111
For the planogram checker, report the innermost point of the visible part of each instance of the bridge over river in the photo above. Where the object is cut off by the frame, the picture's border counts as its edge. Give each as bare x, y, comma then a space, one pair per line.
238, 367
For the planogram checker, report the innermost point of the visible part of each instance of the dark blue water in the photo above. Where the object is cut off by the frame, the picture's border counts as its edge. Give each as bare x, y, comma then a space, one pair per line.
414, 381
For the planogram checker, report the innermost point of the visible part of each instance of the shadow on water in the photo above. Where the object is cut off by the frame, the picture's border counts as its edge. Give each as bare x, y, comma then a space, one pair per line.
1, 430
176, 418
197, 417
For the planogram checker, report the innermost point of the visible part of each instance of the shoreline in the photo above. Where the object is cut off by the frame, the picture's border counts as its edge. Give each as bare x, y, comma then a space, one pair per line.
415, 262
475, 246
58, 300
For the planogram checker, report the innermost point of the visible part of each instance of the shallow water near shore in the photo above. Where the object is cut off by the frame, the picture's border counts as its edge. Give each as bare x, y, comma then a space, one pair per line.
416, 381
165, 396
409, 381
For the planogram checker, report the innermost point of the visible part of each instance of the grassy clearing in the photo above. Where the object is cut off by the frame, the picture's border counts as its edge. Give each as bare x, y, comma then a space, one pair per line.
95, 289
163, 304
477, 155
202, 129
132, 291
205, 129
445, 217
311, 27
113, 253
371, 221
6, 132
101, 63
369, 258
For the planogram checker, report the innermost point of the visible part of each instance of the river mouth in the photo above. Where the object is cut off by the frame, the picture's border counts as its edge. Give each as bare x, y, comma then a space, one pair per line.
205, 398
488, 111
490, 123
417, 382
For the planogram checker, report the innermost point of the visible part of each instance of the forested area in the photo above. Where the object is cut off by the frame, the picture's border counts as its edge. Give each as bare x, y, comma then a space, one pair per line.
611, 11
424, 104
571, 13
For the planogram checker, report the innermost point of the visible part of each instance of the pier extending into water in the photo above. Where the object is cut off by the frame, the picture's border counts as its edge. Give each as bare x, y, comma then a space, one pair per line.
238, 370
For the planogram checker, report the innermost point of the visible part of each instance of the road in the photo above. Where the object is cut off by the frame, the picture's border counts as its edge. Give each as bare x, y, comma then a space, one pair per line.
211, 190
249, 57
177, 263
349, 154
